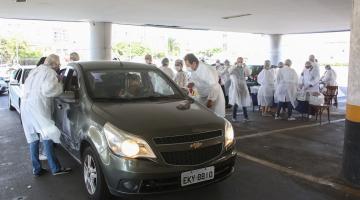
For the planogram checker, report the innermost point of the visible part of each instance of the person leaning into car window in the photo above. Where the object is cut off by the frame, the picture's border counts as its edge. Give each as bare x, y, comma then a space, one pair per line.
40, 87
41, 61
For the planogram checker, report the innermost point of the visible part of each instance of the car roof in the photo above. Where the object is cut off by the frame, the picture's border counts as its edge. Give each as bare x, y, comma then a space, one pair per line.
96, 65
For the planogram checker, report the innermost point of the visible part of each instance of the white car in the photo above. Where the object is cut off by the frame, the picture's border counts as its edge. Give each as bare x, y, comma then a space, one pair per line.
3, 86
16, 86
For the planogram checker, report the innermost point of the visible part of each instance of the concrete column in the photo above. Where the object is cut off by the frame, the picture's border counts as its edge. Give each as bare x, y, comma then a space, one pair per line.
275, 48
100, 41
351, 158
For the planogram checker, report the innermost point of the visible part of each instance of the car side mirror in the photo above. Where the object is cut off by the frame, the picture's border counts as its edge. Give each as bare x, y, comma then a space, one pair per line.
68, 97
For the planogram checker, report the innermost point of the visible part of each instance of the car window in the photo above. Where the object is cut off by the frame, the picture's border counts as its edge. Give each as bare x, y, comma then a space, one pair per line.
26, 74
71, 82
14, 74
130, 84
18, 75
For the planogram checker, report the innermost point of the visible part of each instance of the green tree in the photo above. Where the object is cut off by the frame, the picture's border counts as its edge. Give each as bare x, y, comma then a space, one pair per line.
173, 47
10, 48
159, 55
130, 49
210, 52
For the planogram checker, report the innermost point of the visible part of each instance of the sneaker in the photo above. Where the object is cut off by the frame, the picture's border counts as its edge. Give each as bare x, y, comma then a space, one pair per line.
310, 116
42, 172
62, 171
291, 119
42, 157
246, 120
233, 119
277, 117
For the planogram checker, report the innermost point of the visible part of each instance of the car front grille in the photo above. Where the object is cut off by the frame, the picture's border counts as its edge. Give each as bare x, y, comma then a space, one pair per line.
188, 138
192, 157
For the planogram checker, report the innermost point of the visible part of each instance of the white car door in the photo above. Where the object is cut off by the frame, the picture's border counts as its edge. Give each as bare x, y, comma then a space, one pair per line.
15, 90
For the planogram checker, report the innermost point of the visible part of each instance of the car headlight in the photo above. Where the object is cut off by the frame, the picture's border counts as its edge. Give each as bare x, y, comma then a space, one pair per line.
229, 134
126, 145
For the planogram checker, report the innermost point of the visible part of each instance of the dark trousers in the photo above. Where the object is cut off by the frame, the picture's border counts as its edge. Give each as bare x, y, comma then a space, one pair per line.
235, 112
284, 105
226, 97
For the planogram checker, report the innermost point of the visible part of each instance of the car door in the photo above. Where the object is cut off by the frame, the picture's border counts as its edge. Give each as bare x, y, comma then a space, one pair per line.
15, 90
67, 113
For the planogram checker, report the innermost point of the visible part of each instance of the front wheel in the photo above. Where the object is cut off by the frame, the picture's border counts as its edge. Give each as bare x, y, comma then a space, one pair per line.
93, 177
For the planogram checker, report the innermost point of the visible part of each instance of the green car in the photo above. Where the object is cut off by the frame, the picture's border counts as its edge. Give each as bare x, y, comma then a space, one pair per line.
136, 132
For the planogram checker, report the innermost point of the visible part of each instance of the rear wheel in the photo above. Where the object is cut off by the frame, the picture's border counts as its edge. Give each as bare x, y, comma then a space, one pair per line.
93, 177
10, 106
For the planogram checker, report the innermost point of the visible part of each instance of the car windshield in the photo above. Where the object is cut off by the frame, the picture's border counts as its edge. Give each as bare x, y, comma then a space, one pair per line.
128, 84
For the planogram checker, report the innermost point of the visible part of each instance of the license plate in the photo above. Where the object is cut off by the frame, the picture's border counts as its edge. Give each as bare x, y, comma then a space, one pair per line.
197, 176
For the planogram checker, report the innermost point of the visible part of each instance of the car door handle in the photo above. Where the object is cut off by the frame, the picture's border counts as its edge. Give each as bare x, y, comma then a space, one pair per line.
59, 106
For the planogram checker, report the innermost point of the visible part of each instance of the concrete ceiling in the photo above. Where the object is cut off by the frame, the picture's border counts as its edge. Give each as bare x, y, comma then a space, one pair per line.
267, 16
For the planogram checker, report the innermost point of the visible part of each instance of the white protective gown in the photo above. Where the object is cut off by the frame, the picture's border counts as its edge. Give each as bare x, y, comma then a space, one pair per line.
310, 77
36, 104
181, 79
167, 71
238, 91
206, 82
286, 85
329, 78
316, 68
266, 79
224, 74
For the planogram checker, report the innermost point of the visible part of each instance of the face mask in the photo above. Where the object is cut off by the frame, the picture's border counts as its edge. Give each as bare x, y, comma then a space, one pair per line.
177, 68
190, 69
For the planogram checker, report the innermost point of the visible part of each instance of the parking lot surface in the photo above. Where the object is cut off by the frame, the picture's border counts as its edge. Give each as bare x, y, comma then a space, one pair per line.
276, 160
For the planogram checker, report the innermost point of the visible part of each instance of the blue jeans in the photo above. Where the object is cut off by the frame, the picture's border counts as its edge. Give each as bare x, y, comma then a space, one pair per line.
50, 154
244, 112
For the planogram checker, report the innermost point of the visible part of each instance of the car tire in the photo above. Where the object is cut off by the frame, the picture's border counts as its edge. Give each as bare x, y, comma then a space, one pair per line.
94, 180
12, 108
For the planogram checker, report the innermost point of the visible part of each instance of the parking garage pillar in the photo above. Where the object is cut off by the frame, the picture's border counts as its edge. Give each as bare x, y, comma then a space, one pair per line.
100, 41
275, 49
351, 158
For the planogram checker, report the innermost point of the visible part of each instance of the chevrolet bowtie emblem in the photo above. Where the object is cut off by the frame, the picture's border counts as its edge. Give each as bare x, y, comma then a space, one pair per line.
196, 145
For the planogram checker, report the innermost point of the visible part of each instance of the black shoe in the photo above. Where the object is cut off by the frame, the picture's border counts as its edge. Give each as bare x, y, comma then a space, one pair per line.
62, 171
42, 172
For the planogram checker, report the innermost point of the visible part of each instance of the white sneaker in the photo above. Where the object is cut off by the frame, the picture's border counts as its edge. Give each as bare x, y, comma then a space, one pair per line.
291, 119
246, 120
310, 116
42, 157
277, 117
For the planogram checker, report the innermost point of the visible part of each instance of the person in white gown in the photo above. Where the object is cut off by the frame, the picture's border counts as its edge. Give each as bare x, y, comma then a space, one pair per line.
166, 69
286, 89
266, 79
180, 77
40, 87
205, 80
239, 95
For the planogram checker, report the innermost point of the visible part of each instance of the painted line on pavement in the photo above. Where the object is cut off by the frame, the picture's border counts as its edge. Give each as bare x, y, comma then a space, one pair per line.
310, 178
284, 129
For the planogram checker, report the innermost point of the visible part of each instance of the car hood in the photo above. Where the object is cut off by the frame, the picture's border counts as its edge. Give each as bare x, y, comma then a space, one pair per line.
159, 119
